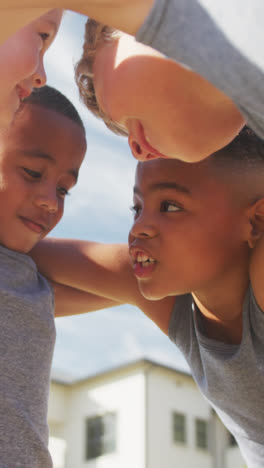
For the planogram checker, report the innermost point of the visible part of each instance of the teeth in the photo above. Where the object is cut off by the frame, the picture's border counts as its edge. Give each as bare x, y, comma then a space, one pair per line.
144, 259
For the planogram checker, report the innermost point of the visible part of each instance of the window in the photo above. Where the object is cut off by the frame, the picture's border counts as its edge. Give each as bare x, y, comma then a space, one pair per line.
179, 427
100, 435
201, 431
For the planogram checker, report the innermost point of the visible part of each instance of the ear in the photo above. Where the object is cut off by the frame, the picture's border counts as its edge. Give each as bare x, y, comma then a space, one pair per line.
255, 216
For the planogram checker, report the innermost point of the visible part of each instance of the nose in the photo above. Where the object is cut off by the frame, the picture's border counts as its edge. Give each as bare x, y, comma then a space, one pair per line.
48, 201
39, 77
143, 228
138, 151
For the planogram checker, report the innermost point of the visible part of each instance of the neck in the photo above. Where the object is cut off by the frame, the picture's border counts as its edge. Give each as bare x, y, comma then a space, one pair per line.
222, 306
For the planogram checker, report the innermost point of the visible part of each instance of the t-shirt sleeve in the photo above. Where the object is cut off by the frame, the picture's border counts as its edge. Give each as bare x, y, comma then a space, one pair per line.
180, 324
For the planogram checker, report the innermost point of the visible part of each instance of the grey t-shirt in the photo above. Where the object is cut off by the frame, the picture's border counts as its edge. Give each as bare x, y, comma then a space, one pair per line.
230, 376
221, 40
27, 340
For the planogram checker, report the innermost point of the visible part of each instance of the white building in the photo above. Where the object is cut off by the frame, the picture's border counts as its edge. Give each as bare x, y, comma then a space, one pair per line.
141, 415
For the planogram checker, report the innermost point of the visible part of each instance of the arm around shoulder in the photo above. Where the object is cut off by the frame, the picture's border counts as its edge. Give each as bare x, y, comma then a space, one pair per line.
103, 270
70, 301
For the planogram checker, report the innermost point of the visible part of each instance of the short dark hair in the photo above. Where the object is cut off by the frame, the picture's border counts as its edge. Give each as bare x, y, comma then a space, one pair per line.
246, 150
51, 98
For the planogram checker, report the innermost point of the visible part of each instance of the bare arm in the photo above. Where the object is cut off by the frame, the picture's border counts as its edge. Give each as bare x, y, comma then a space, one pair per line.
100, 269
70, 301
127, 15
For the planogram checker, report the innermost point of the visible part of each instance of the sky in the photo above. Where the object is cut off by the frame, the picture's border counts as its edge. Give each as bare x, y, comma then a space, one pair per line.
98, 209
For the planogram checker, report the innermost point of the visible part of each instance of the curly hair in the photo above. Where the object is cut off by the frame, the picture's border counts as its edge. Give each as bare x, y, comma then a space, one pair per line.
95, 34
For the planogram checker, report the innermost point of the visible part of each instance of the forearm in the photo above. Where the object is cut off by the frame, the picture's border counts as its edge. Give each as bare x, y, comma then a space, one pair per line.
101, 269
95, 276
127, 15
70, 301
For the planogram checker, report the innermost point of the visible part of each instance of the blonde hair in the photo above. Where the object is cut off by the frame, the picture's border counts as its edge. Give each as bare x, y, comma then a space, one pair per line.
95, 34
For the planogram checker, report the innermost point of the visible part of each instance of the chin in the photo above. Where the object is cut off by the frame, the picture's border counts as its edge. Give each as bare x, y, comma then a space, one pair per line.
23, 248
150, 294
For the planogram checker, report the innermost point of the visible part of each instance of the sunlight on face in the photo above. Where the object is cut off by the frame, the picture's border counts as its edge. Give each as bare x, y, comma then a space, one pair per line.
21, 62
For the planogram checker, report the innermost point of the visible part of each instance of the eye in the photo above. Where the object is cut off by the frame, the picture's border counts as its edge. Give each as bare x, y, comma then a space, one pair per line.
32, 174
169, 207
63, 192
135, 210
44, 36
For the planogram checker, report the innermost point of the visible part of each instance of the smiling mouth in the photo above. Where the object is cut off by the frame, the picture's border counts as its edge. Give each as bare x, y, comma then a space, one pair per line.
33, 226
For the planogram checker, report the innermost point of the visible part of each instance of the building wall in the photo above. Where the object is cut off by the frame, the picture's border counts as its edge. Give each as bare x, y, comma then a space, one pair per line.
169, 392
123, 395
144, 398
58, 420
234, 458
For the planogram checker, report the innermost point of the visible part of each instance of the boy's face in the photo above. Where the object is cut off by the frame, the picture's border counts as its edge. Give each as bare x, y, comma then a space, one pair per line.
135, 87
188, 229
21, 62
154, 99
40, 156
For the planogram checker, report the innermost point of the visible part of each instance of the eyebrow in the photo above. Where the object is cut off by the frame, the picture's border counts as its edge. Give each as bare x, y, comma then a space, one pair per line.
157, 186
38, 154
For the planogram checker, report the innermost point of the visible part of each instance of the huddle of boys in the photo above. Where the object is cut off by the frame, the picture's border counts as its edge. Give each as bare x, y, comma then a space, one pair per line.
210, 302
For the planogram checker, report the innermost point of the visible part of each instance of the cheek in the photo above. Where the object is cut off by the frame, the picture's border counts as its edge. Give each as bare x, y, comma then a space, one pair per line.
130, 238
119, 98
56, 217
28, 66
20, 62
59, 213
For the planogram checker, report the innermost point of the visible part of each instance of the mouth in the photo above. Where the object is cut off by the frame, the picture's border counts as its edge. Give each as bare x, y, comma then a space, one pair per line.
34, 225
142, 263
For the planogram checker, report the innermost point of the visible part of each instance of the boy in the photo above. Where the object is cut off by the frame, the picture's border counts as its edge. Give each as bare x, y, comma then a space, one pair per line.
154, 101
197, 252
40, 157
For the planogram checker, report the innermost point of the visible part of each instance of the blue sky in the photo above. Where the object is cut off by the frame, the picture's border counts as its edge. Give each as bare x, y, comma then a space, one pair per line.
98, 209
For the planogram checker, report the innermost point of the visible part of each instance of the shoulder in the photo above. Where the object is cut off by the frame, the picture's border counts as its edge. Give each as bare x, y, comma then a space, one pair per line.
165, 310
